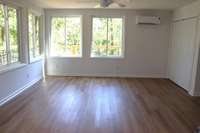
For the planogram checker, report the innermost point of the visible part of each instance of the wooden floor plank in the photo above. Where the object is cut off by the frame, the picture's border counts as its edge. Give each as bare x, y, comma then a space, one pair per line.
101, 105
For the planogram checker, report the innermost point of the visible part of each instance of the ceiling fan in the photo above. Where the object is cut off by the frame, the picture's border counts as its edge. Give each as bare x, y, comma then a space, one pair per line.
114, 3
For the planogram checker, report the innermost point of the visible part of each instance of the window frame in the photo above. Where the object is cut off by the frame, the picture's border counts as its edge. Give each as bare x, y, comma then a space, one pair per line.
11, 64
39, 57
123, 36
81, 36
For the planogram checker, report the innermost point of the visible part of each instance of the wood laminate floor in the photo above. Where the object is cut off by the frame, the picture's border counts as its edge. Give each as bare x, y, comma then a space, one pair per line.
101, 105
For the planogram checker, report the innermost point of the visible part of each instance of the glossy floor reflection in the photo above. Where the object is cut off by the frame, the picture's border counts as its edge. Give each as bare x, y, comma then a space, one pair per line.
101, 105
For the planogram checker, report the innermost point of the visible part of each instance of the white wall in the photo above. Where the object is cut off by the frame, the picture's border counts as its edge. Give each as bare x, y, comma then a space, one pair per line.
146, 47
16, 80
186, 33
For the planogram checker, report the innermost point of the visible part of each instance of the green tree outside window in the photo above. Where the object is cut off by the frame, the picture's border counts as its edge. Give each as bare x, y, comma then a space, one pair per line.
65, 37
9, 47
107, 37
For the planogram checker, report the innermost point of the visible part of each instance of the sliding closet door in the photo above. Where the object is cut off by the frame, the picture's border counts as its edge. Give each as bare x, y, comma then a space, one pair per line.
182, 52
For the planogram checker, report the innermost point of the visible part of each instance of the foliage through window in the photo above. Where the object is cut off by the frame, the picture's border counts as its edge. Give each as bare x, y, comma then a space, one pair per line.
66, 37
9, 47
107, 37
34, 36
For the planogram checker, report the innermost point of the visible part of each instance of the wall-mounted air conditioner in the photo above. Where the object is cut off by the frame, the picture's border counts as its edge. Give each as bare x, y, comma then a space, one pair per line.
149, 20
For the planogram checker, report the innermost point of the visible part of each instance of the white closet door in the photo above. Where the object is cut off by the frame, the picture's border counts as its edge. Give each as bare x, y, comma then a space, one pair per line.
182, 52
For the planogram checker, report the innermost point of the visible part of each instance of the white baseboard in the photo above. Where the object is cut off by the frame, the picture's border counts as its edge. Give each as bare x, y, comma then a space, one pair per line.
108, 75
193, 93
19, 91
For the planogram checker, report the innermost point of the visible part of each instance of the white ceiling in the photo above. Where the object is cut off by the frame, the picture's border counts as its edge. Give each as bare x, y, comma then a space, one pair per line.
134, 4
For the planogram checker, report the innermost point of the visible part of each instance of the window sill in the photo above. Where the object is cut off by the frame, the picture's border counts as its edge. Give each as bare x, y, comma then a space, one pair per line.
34, 60
11, 67
65, 57
104, 57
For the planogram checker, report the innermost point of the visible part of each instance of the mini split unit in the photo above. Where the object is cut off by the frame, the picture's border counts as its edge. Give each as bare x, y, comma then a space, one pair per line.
148, 20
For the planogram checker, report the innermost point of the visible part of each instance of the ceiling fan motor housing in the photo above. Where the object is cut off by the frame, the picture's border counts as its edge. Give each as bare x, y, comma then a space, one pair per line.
105, 3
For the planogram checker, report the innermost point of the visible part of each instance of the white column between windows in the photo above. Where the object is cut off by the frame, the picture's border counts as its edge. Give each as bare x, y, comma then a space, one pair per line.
34, 34
8, 52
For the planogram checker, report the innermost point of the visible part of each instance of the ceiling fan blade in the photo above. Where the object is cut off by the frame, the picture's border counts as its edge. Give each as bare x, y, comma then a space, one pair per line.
122, 3
115, 5
112, 3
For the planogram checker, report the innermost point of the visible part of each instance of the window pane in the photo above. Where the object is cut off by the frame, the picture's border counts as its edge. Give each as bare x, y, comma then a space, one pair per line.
34, 36
107, 37
58, 37
12, 19
66, 36
31, 23
3, 56
37, 37
114, 37
99, 47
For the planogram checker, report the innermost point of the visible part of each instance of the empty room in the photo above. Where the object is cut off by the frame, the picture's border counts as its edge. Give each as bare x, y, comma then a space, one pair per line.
99, 66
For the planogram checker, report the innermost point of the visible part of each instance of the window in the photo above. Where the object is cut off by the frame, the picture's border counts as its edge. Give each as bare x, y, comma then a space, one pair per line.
107, 37
9, 46
34, 36
65, 37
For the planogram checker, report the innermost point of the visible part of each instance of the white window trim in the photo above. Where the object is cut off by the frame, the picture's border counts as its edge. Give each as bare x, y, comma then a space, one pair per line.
81, 35
10, 66
36, 58
123, 36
